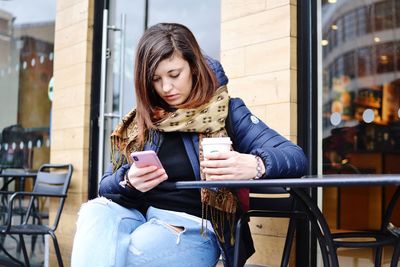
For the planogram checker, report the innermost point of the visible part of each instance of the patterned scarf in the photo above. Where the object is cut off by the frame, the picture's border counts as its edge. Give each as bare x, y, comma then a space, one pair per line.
208, 120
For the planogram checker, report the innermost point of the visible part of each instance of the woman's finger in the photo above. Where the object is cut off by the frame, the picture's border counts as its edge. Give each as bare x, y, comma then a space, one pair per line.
217, 171
150, 184
220, 155
135, 171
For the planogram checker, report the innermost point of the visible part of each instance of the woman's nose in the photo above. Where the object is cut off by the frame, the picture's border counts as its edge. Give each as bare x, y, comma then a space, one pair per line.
167, 86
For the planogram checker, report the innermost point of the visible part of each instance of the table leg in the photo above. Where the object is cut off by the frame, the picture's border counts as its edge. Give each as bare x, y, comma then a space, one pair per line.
319, 226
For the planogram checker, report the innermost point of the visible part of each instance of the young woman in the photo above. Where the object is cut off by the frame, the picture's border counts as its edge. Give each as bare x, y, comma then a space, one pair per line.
140, 219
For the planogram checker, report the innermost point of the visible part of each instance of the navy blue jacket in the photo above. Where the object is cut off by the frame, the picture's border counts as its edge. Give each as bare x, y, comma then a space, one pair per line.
249, 135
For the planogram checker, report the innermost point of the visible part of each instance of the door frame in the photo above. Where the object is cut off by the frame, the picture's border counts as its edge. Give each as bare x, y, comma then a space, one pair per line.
308, 114
99, 6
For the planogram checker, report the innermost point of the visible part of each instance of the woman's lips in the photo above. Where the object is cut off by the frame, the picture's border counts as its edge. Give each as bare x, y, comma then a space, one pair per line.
171, 97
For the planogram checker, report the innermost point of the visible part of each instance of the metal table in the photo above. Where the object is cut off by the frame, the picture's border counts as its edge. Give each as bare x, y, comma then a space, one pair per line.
295, 187
9, 176
328, 180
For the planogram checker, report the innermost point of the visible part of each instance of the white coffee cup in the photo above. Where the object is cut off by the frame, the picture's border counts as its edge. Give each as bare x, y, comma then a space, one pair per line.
216, 144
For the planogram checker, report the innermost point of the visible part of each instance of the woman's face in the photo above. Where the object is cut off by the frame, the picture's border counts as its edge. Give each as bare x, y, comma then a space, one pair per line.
172, 80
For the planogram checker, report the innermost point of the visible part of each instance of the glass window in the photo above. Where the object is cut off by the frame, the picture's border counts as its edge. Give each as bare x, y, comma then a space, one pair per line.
339, 32
397, 54
339, 67
349, 65
333, 35
26, 69
364, 20
383, 16
360, 119
358, 82
365, 61
328, 46
4, 28
385, 57
350, 26
397, 13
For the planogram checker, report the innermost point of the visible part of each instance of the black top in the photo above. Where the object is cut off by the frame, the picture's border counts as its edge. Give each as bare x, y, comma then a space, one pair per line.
173, 157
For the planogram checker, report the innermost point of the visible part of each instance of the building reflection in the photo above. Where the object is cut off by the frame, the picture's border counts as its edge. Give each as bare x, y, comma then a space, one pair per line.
26, 67
361, 104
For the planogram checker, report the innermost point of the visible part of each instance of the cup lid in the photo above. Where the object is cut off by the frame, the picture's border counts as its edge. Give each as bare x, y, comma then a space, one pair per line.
216, 140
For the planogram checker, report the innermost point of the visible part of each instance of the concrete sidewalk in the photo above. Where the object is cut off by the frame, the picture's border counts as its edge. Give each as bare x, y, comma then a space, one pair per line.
36, 257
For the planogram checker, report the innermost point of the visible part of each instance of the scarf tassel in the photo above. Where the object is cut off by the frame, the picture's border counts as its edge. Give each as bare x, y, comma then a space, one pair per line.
221, 204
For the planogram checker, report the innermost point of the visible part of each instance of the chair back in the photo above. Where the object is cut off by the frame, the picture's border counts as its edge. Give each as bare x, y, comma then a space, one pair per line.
389, 210
52, 179
274, 202
272, 199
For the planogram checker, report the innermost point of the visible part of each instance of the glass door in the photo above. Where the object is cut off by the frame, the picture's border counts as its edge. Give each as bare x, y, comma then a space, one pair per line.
124, 21
123, 24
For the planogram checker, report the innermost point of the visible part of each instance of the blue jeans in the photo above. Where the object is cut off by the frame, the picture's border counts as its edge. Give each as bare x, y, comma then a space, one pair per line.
110, 235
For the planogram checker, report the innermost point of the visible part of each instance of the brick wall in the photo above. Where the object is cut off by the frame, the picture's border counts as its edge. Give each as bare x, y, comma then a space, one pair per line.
71, 109
258, 52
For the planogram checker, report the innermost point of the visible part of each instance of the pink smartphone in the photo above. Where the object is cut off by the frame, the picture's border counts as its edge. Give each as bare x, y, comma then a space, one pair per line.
146, 158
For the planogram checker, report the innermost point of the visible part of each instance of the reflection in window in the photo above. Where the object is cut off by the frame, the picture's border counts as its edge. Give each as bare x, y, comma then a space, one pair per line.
397, 54
385, 58
361, 99
339, 32
397, 13
350, 23
364, 20
357, 90
339, 67
4, 29
383, 16
365, 61
27, 38
333, 35
331, 75
349, 65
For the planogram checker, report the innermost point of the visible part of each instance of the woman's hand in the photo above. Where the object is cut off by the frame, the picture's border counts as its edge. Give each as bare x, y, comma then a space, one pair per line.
230, 166
146, 178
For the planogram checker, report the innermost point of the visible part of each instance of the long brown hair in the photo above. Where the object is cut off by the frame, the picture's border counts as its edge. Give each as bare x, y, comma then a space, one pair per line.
160, 42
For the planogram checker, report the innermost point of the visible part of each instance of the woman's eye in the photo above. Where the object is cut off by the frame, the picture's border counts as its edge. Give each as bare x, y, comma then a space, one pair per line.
175, 75
156, 80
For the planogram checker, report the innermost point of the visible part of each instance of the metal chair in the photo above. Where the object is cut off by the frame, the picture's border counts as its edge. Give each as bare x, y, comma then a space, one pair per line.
330, 242
19, 210
295, 207
380, 238
52, 181
375, 239
263, 203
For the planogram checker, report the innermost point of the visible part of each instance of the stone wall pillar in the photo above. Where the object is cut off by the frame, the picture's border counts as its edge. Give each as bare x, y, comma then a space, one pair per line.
71, 110
258, 53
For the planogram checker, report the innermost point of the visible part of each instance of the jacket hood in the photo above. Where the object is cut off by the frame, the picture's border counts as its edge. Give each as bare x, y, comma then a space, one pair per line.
217, 68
